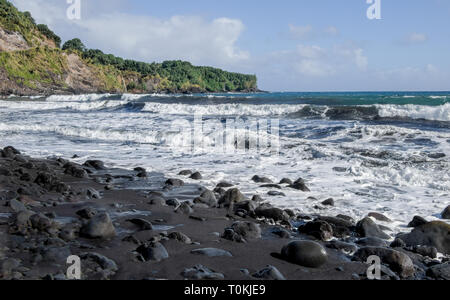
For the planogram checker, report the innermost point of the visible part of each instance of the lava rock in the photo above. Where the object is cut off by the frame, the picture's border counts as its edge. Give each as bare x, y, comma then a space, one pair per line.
397, 261
184, 208
372, 242
174, 182
435, 234
153, 252
368, 228
87, 213
224, 184
99, 227
200, 272
207, 197
300, 185
185, 173
446, 213
319, 229
95, 164
328, 202
273, 213
196, 176
286, 181
75, 171
242, 232
259, 179
305, 253
379, 217
441, 271
417, 221
231, 196
212, 252
143, 225
180, 237
269, 273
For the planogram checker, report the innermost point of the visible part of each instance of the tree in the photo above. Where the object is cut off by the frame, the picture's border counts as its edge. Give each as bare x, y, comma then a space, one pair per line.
74, 44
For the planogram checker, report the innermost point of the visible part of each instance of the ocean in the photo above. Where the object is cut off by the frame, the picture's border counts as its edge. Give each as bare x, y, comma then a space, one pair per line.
386, 152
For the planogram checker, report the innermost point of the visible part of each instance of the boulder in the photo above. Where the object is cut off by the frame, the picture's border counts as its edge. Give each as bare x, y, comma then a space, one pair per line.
174, 182
185, 173
273, 213
435, 234
231, 196
224, 184
259, 179
242, 232
440, 272
95, 164
305, 253
207, 197
99, 227
143, 225
180, 237
200, 272
379, 217
75, 170
196, 176
417, 221
286, 181
319, 229
153, 252
300, 185
269, 273
368, 228
446, 213
397, 261
87, 213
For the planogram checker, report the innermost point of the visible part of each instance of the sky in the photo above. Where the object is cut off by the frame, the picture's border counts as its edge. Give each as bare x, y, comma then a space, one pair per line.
291, 45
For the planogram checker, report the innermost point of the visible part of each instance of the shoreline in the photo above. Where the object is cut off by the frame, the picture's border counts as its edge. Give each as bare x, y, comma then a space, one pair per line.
133, 224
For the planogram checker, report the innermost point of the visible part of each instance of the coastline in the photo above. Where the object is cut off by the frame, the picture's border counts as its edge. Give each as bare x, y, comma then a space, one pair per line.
132, 224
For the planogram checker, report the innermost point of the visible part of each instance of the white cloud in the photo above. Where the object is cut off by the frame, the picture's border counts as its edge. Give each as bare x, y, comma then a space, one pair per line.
300, 32
417, 38
192, 38
307, 32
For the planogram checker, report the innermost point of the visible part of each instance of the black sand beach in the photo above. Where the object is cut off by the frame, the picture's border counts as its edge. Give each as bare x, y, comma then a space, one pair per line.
134, 225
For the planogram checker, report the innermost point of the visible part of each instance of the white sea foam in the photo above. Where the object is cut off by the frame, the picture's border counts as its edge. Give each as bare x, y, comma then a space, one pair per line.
71, 98
46, 105
435, 113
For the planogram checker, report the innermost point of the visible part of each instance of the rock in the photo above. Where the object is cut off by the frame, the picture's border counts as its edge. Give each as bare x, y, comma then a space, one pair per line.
328, 202
269, 273
247, 206
184, 208
417, 221
108, 266
185, 173
153, 252
212, 252
75, 171
435, 234
242, 232
346, 248
446, 213
271, 186
231, 196
372, 241
224, 184
200, 272
368, 228
141, 172
180, 237
173, 202
208, 198
276, 193
300, 185
397, 243
305, 253
281, 232
397, 261
99, 227
143, 225
196, 176
259, 179
257, 198
95, 164
441, 271
87, 213
17, 206
46, 180
341, 228
157, 200
379, 217
5, 172
319, 229
7, 267
273, 213
68, 233
431, 252
10, 152
41, 222
286, 181
436, 155
174, 182
93, 194
346, 218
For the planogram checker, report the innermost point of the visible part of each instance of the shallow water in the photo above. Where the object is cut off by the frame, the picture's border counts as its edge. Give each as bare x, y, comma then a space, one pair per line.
385, 152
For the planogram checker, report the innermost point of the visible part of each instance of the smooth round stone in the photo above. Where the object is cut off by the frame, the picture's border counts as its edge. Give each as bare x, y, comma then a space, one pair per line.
305, 253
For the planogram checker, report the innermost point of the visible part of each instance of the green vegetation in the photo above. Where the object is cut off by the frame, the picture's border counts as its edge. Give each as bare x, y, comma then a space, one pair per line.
38, 65
44, 65
49, 34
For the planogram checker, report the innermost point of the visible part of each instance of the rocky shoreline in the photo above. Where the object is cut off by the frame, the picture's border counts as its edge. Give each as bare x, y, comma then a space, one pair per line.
134, 225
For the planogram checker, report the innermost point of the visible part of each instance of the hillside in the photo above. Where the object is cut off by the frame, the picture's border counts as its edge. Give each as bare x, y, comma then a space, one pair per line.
32, 62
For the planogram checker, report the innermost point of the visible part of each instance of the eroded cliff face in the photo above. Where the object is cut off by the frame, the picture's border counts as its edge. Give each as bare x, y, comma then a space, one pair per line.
12, 41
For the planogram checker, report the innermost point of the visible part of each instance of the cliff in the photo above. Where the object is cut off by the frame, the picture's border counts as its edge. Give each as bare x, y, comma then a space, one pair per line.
32, 63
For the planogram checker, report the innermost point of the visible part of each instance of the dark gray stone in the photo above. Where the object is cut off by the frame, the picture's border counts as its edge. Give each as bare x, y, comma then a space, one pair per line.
305, 253
269, 273
212, 252
99, 227
153, 252
368, 228
200, 272
435, 234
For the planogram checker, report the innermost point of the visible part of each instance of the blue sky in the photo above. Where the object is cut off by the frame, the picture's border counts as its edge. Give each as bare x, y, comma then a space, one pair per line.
291, 45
